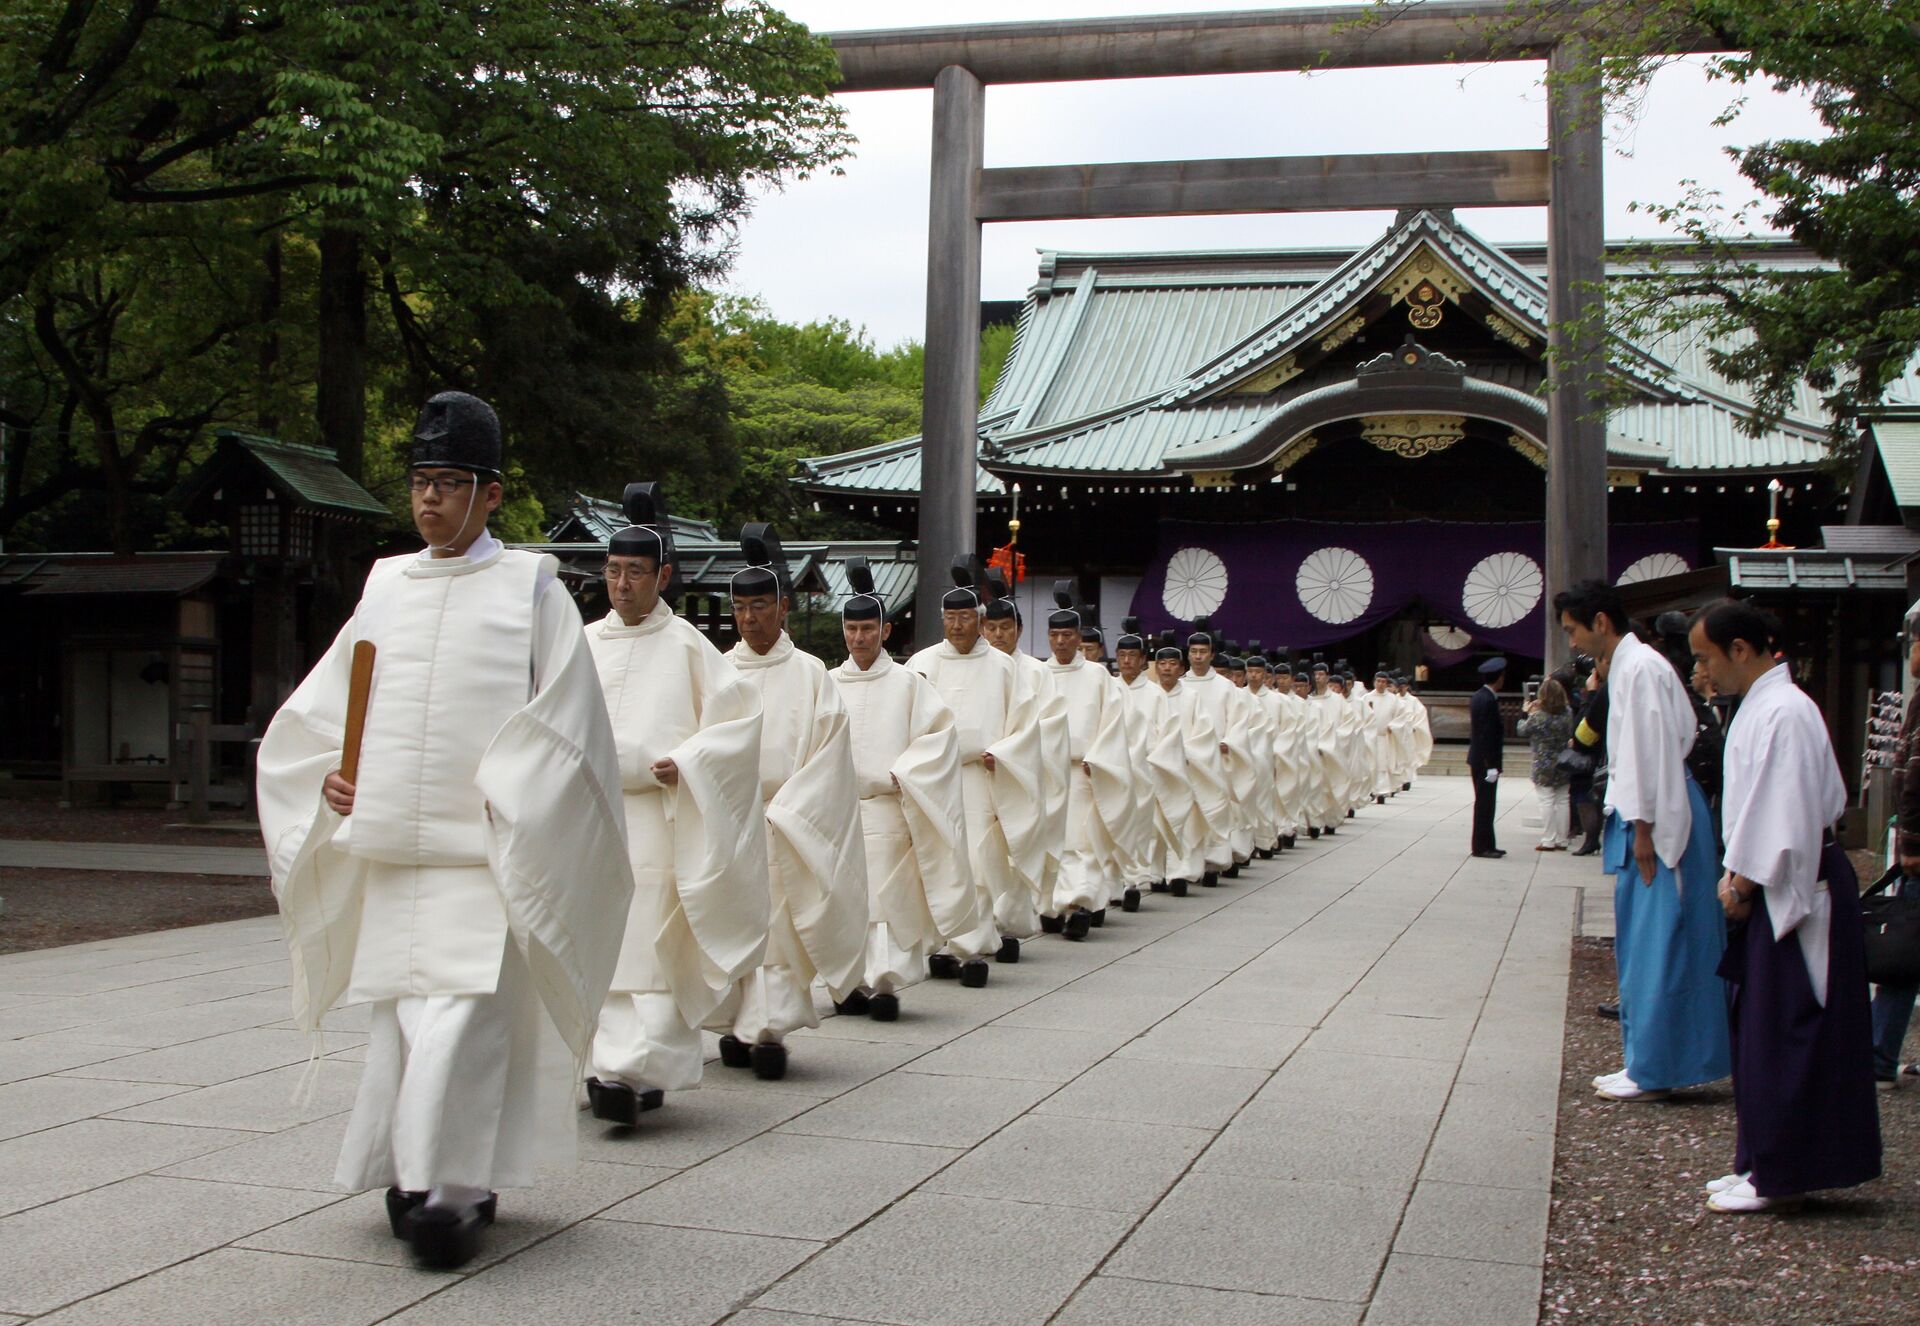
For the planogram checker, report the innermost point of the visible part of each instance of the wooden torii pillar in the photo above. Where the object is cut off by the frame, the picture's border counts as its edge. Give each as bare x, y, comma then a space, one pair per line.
959, 63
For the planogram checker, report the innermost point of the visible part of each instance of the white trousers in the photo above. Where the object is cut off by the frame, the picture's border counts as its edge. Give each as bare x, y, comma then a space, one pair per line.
774, 998
643, 1041
1553, 814
474, 1091
891, 966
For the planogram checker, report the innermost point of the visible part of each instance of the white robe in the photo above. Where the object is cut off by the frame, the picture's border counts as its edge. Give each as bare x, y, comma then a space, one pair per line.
1255, 773
1169, 789
1283, 725
993, 709
817, 863
1360, 748
698, 847
1782, 792
528, 830
477, 892
1211, 824
1211, 698
1050, 716
906, 756
1100, 803
1327, 713
1650, 730
1383, 708
1141, 842
1422, 739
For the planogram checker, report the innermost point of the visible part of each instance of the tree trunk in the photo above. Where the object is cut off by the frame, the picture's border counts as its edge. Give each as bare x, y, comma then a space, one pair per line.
341, 404
272, 288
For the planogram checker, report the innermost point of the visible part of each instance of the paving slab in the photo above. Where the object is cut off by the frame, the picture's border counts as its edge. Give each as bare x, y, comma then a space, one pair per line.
1184, 1095
1475, 1222
145, 857
1102, 1165
1446, 1291
355, 1228
935, 1260
1107, 1299
235, 1287
48, 1102
269, 1102
73, 1158
222, 1058
71, 1249
610, 1270
1273, 1236
926, 1109
1323, 1144
787, 1185
1035, 1054
1189, 1038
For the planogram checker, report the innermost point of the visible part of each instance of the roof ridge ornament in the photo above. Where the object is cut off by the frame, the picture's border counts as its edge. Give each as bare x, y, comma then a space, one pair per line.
1410, 357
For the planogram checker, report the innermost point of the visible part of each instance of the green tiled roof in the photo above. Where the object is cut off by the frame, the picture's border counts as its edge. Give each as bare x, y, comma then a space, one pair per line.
1899, 444
1124, 362
307, 476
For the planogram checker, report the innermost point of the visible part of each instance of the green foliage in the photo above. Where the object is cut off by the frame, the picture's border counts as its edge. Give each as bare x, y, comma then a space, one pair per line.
1852, 328
996, 343
525, 189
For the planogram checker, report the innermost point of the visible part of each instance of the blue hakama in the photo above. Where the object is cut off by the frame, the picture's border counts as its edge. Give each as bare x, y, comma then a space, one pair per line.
1666, 949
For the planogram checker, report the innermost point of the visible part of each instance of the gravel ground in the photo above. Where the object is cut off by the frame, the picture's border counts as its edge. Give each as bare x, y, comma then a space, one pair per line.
43, 819
46, 908
1630, 1239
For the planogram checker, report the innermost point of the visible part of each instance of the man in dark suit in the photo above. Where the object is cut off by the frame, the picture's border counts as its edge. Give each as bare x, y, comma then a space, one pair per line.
1486, 742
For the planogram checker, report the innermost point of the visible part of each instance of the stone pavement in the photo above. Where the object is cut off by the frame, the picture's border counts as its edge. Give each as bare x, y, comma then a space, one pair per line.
1324, 1093
151, 858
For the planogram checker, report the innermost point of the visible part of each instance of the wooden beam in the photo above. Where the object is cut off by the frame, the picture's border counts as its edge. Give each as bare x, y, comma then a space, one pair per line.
950, 414
1355, 36
1363, 182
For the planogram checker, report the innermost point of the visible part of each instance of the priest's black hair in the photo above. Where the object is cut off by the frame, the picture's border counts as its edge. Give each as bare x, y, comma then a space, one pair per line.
1729, 620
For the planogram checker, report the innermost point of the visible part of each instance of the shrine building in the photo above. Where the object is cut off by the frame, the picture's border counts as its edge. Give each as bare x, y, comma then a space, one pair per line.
1343, 452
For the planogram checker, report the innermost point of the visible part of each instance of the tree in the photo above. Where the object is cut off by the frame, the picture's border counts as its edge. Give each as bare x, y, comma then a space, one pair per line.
1851, 328
505, 200
796, 390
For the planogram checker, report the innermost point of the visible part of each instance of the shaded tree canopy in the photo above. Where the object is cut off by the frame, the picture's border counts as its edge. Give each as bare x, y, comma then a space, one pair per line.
303, 216
797, 390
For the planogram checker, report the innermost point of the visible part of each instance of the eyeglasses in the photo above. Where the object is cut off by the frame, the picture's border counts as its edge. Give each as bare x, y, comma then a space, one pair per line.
624, 573
444, 484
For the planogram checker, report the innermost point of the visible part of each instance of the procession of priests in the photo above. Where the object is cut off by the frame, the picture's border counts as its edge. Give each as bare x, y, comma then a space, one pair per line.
553, 856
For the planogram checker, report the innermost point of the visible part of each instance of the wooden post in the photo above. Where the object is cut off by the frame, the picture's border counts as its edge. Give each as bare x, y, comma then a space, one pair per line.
1576, 516
199, 764
950, 426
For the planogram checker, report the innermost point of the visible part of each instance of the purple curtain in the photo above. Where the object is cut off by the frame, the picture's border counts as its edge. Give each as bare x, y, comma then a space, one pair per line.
1301, 584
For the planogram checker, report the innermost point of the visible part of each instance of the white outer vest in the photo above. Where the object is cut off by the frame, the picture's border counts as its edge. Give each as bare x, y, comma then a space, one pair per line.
455, 661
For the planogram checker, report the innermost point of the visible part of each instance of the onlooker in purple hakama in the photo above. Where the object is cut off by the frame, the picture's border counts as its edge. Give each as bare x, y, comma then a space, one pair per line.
1802, 1044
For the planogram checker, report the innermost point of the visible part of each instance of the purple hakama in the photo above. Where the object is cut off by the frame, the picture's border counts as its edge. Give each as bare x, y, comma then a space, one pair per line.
1802, 1074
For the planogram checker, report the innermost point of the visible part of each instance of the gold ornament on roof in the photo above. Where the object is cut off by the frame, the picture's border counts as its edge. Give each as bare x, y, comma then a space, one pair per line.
1343, 333
1276, 374
1425, 306
1413, 435
1507, 332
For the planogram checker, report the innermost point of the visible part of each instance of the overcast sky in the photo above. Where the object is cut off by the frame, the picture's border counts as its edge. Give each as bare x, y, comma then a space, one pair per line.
854, 246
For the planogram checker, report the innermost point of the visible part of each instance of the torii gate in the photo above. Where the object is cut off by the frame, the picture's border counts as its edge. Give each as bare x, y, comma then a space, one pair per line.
959, 62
